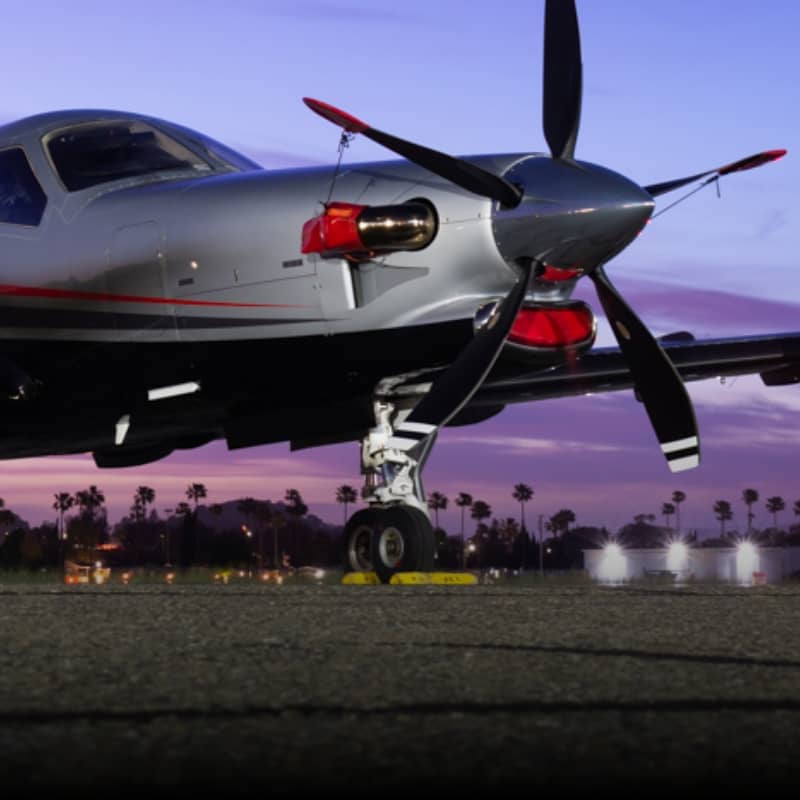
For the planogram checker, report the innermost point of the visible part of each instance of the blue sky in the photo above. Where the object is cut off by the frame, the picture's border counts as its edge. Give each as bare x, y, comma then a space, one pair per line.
670, 88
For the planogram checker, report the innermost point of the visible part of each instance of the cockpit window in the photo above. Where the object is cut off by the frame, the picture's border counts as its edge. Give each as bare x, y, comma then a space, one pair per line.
22, 200
222, 153
94, 153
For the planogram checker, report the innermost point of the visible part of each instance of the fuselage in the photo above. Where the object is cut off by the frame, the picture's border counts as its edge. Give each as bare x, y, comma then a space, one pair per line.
192, 272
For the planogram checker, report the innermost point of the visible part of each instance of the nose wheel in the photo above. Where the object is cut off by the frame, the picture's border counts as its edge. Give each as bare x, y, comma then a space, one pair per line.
397, 538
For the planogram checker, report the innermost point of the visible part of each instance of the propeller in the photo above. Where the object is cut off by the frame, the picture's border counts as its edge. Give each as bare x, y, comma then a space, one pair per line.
452, 390
456, 170
751, 162
656, 380
563, 78
658, 384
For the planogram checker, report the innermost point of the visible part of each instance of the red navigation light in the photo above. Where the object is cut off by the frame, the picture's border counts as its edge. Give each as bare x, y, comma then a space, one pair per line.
542, 326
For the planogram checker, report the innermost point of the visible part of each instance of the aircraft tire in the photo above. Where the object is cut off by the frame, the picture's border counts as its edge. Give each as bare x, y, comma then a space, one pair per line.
403, 541
357, 540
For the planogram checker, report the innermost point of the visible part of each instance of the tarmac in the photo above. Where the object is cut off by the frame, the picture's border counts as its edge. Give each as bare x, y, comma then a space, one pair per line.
249, 690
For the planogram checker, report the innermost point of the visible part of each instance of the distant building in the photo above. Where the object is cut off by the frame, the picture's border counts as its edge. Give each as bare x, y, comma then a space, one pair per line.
747, 564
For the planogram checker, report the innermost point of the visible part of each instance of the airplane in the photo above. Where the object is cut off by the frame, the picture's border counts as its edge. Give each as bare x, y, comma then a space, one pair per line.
161, 291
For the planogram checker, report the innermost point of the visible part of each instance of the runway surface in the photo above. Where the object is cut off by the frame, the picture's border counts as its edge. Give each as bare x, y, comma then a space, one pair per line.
247, 690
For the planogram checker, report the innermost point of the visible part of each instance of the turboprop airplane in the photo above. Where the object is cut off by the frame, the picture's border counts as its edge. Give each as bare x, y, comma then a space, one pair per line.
160, 291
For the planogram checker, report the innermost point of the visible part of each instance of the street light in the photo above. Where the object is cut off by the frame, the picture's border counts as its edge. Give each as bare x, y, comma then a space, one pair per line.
541, 545
165, 537
249, 534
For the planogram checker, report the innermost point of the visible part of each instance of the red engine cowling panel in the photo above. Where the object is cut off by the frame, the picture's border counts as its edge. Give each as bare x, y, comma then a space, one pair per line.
564, 326
334, 231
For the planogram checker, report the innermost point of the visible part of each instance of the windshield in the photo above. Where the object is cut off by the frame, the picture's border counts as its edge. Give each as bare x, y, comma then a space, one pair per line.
99, 152
221, 152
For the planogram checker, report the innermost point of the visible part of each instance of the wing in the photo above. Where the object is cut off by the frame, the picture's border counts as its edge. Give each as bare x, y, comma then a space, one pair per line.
775, 358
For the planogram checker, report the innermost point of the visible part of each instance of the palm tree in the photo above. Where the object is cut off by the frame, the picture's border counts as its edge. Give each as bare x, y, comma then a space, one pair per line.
678, 497
296, 506
774, 505
346, 494
63, 503
144, 497
480, 511
522, 493
89, 500
723, 512
437, 502
667, 509
463, 501
749, 496
196, 492
560, 521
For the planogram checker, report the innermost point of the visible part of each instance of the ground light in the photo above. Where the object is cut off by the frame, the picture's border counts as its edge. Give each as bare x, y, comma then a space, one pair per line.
614, 566
746, 562
677, 557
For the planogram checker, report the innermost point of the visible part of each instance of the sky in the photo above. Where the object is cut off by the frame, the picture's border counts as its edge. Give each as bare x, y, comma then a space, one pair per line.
670, 89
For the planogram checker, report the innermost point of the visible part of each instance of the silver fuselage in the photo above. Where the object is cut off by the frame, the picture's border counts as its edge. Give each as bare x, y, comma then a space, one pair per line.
172, 277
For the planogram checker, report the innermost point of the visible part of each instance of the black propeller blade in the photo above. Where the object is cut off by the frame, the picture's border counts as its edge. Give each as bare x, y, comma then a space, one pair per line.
658, 383
460, 172
452, 390
751, 162
563, 78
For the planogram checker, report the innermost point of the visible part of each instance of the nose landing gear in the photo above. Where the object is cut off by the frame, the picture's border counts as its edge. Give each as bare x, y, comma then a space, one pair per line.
394, 534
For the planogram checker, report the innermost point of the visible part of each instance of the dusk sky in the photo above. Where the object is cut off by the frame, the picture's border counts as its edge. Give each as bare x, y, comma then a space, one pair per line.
670, 89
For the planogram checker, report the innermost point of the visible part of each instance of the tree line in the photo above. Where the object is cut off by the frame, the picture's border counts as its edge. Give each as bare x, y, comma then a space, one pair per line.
278, 534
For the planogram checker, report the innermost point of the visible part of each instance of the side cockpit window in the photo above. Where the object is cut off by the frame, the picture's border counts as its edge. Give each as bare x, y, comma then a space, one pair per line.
22, 200
100, 152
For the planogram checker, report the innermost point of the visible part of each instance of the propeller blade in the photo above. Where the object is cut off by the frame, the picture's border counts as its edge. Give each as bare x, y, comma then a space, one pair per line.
751, 162
563, 78
657, 382
452, 390
456, 170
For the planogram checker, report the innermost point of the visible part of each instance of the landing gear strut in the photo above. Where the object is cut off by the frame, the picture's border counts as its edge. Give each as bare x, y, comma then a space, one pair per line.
394, 452
394, 534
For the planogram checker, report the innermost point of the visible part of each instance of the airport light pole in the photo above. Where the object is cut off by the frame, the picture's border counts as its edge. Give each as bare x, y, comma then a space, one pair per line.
541, 545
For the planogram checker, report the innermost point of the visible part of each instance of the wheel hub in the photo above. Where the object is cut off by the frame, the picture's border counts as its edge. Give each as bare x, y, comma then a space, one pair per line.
391, 546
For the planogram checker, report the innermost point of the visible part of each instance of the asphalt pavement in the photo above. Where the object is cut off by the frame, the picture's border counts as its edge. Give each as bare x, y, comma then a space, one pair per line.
251, 690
